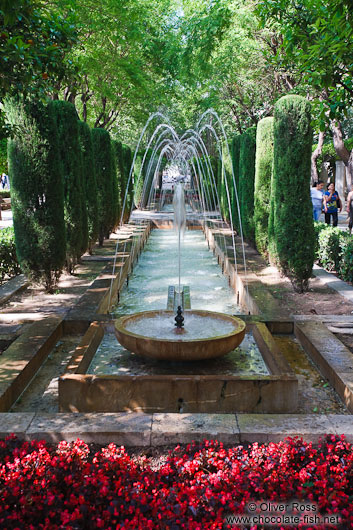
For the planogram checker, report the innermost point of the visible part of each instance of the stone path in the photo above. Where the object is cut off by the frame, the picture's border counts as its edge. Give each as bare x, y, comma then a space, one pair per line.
144, 430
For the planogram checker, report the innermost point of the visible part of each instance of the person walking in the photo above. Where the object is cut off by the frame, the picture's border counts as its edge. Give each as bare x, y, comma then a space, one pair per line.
317, 195
332, 203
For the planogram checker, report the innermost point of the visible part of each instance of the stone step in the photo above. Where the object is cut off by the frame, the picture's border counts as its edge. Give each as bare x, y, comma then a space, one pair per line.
144, 430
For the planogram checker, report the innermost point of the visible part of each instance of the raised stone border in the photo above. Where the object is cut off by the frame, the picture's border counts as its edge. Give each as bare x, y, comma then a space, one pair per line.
156, 430
20, 362
23, 358
99, 296
13, 286
173, 392
251, 294
332, 357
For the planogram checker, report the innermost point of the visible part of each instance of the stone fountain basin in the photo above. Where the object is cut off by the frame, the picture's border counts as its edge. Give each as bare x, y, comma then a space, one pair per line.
180, 348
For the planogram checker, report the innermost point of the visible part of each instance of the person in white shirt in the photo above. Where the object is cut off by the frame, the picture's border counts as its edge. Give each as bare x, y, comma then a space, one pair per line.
317, 194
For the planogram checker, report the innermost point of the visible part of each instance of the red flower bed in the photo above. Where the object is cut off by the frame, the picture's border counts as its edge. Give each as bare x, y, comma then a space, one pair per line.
65, 486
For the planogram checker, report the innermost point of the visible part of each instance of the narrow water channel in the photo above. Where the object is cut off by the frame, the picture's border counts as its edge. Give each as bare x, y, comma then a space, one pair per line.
158, 268
147, 290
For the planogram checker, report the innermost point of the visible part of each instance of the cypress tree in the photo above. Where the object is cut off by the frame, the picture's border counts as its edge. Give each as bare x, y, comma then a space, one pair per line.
118, 164
139, 179
116, 189
89, 177
74, 190
126, 166
292, 227
235, 159
246, 181
37, 195
104, 173
226, 180
263, 175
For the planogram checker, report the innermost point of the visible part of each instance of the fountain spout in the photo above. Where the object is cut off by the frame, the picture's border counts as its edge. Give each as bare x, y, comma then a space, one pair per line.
179, 319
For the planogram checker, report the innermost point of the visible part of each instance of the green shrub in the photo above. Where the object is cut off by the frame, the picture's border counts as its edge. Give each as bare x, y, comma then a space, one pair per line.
318, 228
74, 189
36, 191
246, 181
104, 173
90, 181
263, 175
291, 227
346, 263
331, 242
9, 265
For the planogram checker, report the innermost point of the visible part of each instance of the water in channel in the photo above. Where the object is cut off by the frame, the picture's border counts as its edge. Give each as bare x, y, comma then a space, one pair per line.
147, 290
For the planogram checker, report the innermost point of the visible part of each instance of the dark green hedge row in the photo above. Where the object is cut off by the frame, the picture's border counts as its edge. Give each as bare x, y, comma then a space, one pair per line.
37, 190
272, 173
263, 176
246, 181
291, 229
66, 186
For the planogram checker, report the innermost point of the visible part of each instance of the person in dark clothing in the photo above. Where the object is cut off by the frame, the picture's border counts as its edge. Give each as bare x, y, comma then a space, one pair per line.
332, 203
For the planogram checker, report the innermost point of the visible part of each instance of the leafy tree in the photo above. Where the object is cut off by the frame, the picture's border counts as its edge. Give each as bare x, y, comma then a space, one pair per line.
263, 175
74, 190
89, 178
37, 196
34, 42
126, 57
291, 230
317, 41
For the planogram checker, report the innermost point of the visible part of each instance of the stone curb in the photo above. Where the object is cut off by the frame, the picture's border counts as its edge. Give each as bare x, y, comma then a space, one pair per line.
13, 286
331, 281
145, 430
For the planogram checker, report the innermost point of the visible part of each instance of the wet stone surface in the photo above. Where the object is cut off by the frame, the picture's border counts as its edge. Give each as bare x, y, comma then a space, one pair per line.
111, 358
42, 393
315, 394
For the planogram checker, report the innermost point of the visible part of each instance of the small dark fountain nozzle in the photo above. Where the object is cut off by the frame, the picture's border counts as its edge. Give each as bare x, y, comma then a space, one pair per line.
179, 319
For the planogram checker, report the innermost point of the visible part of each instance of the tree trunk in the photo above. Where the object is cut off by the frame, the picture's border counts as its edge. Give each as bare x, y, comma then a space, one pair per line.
342, 151
315, 156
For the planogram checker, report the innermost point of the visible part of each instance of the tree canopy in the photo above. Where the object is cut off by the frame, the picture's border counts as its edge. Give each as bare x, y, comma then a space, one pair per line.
120, 60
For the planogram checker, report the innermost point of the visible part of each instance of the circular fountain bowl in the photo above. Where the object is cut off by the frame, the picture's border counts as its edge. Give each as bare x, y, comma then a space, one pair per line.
206, 335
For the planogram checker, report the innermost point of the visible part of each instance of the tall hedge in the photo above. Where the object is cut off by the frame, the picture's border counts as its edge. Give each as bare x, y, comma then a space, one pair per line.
247, 150
291, 231
139, 173
104, 173
90, 181
74, 189
226, 181
123, 162
116, 207
263, 175
235, 152
37, 194
127, 158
